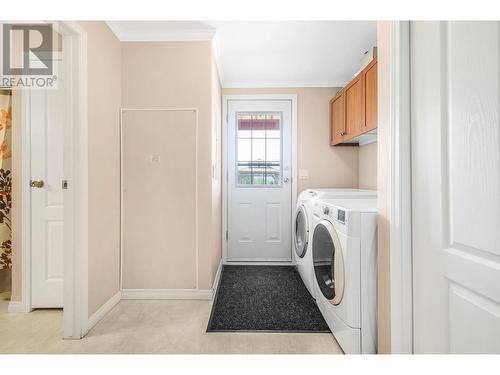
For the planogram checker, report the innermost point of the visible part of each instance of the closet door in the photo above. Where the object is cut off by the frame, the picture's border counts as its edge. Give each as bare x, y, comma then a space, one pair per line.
159, 199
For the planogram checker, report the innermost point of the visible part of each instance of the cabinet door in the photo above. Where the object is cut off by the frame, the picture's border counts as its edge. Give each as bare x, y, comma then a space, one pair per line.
337, 119
353, 108
370, 96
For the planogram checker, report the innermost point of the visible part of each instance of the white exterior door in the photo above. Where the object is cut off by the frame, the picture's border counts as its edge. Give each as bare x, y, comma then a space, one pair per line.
47, 112
456, 186
259, 180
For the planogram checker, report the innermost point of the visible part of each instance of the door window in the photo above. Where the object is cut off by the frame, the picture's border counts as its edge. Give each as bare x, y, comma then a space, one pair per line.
258, 149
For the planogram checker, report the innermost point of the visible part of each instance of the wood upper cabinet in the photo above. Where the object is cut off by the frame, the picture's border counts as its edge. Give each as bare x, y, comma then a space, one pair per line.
353, 111
354, 108
337, 118
370, 96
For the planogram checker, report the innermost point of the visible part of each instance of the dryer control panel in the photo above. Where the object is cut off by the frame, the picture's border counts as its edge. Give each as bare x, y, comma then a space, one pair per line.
330, 212
341, 216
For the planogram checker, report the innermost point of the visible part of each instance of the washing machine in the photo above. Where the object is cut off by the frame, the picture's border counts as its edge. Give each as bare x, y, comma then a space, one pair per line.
344, 255
303, 226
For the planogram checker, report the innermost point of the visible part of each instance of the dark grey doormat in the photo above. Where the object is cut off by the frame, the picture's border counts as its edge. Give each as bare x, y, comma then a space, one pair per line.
264, 298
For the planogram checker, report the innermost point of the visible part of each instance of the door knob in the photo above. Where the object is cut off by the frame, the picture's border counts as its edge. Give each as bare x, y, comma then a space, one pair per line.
286, 180
36, 183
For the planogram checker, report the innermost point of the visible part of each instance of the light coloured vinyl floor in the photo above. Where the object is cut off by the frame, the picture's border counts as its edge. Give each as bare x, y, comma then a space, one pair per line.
166, 326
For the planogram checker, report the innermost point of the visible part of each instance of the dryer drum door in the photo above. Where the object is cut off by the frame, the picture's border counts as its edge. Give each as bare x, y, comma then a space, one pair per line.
301, 232
328, 262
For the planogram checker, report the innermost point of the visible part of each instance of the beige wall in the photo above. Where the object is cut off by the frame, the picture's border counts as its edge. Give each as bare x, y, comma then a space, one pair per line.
104, 88
16, 196
384, 191
16, 211
216, 222
181, 75
368, 166
328, 166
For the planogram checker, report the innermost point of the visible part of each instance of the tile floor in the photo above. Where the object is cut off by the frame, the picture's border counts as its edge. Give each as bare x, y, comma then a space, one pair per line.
133, 326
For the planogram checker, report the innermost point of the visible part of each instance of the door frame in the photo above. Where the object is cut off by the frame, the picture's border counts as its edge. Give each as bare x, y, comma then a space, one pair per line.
257, 97
75, 311
400, 248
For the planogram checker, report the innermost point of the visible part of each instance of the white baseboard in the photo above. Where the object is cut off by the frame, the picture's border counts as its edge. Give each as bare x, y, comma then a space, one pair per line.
205, 294
194, 294
217, 278
17, 307
103, 310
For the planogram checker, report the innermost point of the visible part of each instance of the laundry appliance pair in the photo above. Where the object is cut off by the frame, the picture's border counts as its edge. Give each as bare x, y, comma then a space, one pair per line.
335, 253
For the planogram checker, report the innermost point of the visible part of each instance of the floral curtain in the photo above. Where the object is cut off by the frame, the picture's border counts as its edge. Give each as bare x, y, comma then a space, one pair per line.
5, 179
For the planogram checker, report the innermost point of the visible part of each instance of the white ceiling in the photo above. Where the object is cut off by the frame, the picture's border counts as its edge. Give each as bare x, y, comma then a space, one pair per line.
269, 53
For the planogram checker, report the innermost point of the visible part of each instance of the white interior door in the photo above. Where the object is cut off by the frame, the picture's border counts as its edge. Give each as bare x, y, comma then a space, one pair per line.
456, 186
47, 113
259, 180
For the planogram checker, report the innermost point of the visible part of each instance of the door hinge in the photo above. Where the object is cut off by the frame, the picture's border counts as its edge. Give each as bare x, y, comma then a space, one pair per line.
227, 235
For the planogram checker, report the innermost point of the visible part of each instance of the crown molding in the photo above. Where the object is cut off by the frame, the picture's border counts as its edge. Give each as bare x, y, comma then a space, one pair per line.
160, 34
269, 85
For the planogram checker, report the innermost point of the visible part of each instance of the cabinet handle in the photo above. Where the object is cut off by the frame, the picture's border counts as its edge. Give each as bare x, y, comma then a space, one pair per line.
341, 133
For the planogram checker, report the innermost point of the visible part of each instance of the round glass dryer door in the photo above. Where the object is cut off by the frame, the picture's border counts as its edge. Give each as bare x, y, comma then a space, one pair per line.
301, 232
328, 262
